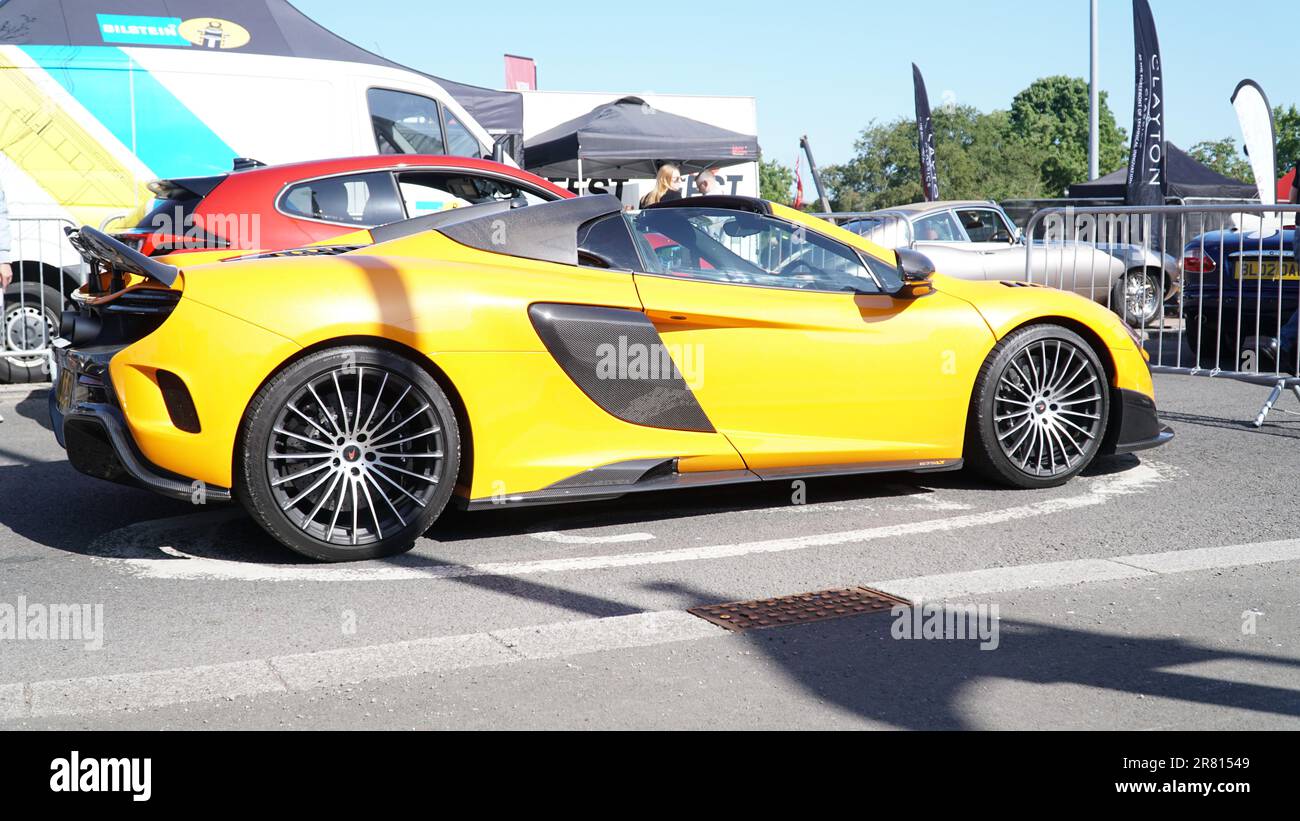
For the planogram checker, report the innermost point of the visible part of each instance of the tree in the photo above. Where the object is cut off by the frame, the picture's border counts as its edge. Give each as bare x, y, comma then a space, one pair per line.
977, 157
1287, 124
775, 181
1224, 157
1052, 116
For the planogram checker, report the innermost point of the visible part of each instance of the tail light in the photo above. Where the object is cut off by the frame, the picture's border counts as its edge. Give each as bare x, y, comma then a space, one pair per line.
1197, 261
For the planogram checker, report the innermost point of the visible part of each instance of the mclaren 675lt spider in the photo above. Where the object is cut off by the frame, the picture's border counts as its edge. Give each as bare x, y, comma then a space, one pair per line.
570, 351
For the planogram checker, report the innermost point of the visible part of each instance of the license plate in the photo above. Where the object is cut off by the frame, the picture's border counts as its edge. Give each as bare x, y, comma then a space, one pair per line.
1271, 269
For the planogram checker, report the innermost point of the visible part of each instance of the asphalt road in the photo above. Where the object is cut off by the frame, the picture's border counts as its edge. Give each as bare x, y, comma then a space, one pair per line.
1158, 592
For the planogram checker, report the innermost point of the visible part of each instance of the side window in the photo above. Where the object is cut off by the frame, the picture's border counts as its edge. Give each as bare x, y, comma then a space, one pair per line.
364, 200
984, 225
607, 243
405, 123
428, 192
748, 249
938, 228
460, 142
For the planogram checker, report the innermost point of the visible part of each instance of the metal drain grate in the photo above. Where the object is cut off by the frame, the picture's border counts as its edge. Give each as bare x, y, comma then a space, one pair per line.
798, 609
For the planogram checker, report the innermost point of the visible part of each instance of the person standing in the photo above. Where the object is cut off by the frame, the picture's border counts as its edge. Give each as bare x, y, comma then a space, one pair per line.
708, 184
668, 186
6, 239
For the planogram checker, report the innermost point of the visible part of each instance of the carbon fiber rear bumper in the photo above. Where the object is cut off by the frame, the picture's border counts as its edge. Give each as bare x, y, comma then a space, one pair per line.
88, 423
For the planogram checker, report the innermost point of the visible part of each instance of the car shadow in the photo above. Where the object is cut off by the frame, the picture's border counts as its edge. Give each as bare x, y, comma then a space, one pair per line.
35, 407
148, 522
857, 665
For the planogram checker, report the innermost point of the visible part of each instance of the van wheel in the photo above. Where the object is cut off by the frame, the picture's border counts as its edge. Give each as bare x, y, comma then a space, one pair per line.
1039, 410
350, 453
30, 323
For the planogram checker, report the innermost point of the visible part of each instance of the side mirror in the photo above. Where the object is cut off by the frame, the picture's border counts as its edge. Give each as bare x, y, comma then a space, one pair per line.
1017, 236
913, 266
915, 270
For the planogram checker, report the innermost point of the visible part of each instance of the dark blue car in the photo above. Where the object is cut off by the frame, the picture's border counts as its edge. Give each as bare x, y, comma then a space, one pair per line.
1242, 280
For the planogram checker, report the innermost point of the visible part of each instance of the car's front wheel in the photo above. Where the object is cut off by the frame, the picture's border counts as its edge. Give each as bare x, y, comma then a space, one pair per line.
349, 453
1040, 407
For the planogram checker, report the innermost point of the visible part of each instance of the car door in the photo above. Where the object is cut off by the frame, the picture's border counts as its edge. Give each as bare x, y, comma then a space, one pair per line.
991, 236
793, 350
940, 237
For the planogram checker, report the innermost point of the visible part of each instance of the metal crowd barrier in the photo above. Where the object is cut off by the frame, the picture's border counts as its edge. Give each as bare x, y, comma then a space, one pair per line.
44, 267
1231, 309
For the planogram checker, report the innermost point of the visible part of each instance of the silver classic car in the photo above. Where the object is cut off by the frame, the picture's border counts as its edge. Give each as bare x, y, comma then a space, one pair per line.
976, 240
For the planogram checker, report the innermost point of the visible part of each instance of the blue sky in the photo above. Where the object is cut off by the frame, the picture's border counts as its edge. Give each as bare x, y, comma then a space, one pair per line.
829, 68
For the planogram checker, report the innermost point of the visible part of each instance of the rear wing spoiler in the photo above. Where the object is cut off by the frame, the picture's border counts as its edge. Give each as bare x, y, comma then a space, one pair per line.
107, 255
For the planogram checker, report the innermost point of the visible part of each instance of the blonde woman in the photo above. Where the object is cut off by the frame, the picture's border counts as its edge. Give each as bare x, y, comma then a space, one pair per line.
668, 186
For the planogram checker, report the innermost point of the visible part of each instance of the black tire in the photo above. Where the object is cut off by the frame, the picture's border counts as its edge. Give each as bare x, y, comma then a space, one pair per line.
1150, 297
373, 513
1009, 380
30, 322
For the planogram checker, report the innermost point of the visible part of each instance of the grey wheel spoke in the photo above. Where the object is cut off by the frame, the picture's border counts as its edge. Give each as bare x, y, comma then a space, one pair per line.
374, 511
299, 457
390, 411
1086, 433
379, 437
1012, 431
284, 480
338, 508
329, 491
295, 500
379, 395
324, 409
403, 490
419, 435
383, 495
435, 454
343, 406
308, 420
301, 438
386, 466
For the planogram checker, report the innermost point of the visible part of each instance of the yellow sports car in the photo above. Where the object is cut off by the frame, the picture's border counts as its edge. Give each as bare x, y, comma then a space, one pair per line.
571, 351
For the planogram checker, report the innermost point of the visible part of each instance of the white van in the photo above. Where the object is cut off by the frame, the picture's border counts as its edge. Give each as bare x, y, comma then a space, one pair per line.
84, 129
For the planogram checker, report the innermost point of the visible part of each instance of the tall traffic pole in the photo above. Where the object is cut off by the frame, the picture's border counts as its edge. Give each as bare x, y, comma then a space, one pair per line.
1094, 101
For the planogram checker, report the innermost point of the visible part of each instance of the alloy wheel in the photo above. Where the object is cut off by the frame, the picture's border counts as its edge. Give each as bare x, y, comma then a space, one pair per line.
1048, 408
1141, 301
355, 454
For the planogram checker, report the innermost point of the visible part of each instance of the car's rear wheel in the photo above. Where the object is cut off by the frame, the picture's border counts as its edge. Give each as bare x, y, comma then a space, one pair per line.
350, 453
1039, 410
1138, 297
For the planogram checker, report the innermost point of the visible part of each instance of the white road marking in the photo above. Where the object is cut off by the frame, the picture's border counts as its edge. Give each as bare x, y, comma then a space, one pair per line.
570, 538
13, 702
349, 665
354, 665
1206, 558
1098, 492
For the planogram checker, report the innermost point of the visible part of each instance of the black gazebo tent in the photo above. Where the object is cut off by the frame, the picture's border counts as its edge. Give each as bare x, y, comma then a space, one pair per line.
275, 26
627, 139
1187, 178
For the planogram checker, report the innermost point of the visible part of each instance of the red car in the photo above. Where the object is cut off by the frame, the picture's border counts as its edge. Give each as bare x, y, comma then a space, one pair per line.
273, 208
